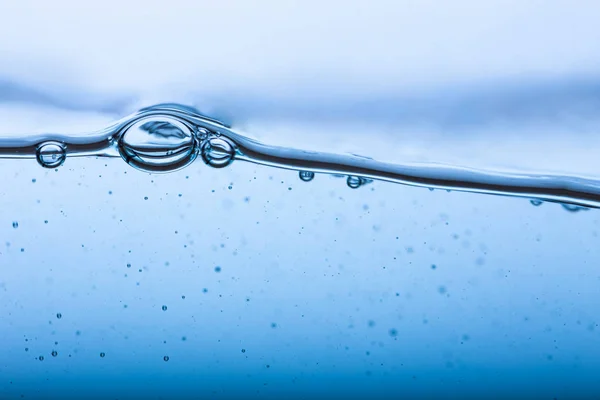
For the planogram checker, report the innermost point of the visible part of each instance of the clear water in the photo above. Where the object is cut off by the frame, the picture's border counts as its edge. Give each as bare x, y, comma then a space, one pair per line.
392, 201
255, 281
168, 137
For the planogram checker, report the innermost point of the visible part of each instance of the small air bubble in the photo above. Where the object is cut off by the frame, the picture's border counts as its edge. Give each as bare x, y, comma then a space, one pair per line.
166, 358
54, 353
59, 315
15, 224
102, 354
306, 176
536, 202
51, 155
164, 308
353, 182
573, 208
218, 152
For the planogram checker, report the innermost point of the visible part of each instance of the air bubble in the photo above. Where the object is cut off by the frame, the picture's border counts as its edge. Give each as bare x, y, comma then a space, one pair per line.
218, 152
166, 358
51, 154
158, 144
306, 176
573, 208
536, 203
354, 182
54, 353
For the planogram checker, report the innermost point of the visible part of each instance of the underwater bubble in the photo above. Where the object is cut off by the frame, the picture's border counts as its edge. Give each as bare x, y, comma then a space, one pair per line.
59, 315
158, 144
573, 208
164, 308
50, 154
218, 152
102, 354
54, 353
15, 225
306, 176
353, 182
166, 358
536, 202
41, 358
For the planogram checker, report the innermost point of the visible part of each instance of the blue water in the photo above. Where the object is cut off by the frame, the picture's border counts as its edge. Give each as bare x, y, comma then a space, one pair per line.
274, 234
248, 282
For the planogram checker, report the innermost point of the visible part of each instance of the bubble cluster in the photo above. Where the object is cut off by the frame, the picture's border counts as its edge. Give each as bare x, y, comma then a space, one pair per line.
168, 137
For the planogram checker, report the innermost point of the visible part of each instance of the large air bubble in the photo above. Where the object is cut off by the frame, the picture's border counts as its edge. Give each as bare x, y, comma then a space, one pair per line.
158, 144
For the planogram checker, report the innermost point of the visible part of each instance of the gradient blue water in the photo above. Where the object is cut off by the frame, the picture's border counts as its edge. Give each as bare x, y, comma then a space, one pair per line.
292, 289
278, 288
